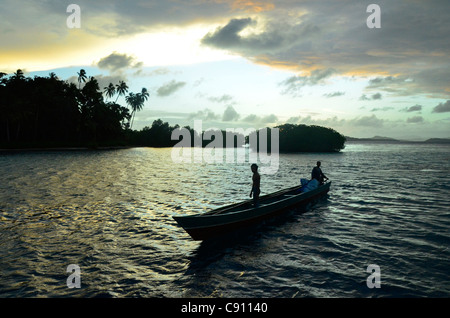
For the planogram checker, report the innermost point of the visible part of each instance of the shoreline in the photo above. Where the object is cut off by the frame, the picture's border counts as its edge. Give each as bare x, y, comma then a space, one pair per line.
64, 148
436, 141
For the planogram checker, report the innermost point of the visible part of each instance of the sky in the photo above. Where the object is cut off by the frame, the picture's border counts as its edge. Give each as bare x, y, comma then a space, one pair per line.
250, 63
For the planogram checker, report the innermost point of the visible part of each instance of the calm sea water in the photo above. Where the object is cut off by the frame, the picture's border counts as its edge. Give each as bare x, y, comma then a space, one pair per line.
110, 213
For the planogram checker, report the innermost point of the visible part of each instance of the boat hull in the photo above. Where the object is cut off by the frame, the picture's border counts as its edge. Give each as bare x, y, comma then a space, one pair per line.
233, 217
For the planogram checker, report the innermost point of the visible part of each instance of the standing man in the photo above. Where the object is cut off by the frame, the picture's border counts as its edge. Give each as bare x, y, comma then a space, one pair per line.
318, 174
255, 187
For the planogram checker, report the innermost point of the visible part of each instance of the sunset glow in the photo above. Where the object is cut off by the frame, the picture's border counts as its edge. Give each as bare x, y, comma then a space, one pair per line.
311, 62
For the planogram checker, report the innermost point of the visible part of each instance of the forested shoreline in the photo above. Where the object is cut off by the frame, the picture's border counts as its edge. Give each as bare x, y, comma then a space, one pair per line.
46, 112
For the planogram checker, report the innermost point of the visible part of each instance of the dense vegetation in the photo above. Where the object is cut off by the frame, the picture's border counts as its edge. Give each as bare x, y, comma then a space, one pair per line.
48, 112
303, 138
296, 138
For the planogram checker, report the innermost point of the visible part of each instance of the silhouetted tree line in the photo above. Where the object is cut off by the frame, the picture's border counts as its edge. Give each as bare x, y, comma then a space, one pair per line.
49, 112
301, 138
160, 135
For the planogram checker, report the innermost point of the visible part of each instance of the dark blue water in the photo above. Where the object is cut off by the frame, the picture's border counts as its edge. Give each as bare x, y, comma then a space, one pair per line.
110, 213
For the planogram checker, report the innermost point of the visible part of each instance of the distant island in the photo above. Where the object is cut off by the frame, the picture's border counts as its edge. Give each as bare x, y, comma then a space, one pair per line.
304, 138
46, 112
381, 139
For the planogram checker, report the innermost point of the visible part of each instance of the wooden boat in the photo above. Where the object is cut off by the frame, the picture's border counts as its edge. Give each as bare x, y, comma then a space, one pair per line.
219, 221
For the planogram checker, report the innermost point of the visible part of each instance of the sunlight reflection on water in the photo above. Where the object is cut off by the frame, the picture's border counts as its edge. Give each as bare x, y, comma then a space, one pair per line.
111, 212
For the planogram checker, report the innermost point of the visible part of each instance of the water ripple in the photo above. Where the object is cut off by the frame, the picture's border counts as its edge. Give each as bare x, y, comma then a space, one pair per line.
111, 212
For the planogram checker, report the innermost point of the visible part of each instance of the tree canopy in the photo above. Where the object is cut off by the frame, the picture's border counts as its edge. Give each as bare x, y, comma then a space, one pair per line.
49, 112
304, 138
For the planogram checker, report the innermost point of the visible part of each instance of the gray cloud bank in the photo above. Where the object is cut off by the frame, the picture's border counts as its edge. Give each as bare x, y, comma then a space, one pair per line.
411, 49
412, 42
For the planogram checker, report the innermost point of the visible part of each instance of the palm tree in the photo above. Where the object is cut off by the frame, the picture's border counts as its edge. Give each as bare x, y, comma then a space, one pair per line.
53, 76
121, 89
140, 100
144, 94
110, 90
18, 75
81, 77
136, 102
132, 101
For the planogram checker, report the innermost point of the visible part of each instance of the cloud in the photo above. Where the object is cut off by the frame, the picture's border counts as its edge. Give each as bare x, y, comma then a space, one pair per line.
198, 82
411, 47
244, 36
158, 71
415, 120
367, 121
382, 109
375, 96
293, 84
369, 126
230, 114
410, 109
260, 120
221, 99
335, 94
432, 82
442, 107
169, 88
251, 6
118, 62
228, 36
205, 114
356, 122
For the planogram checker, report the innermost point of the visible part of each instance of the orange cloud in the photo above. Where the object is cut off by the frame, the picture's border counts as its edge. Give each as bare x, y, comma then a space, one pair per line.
252, 6
249, 5
273, 63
